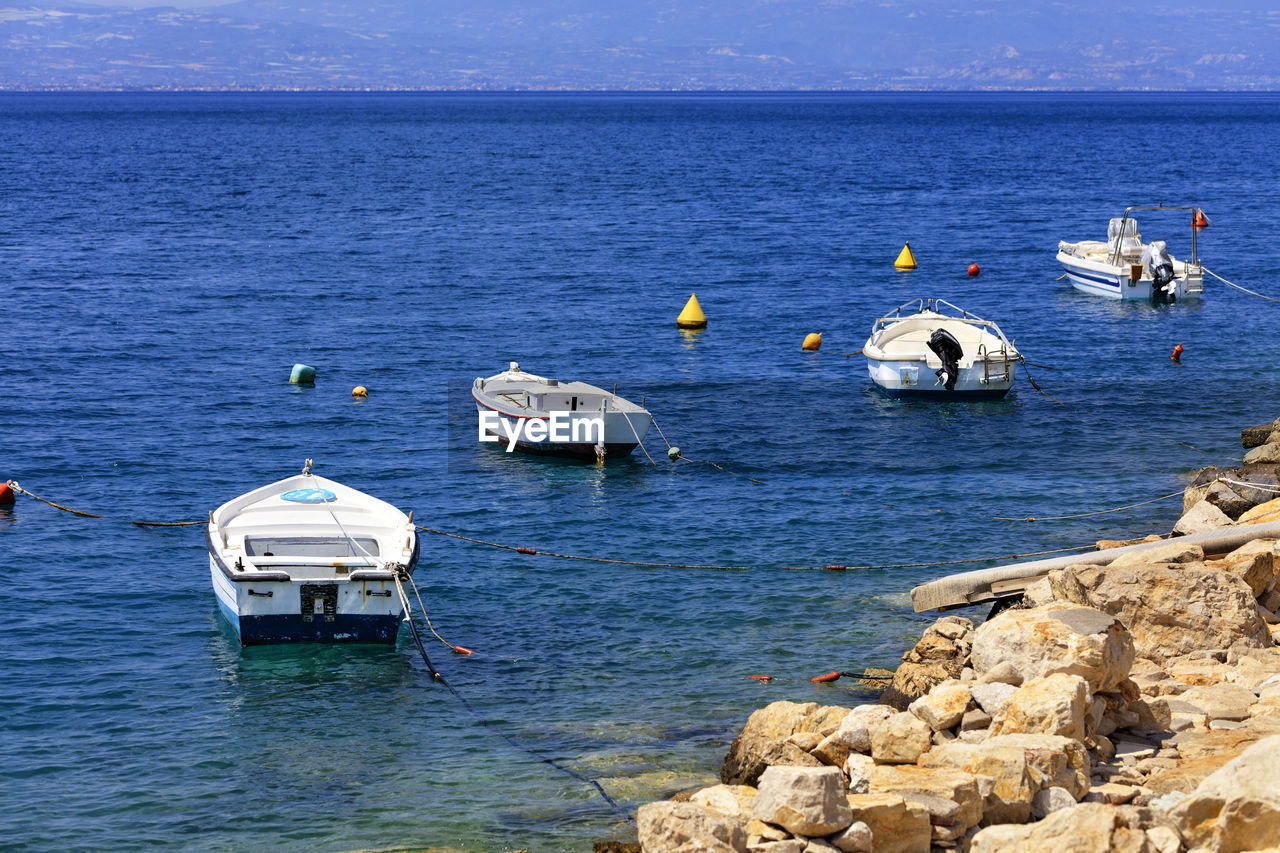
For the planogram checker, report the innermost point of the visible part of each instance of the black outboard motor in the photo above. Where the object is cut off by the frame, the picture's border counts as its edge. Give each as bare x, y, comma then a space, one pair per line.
1156, 259
946, 347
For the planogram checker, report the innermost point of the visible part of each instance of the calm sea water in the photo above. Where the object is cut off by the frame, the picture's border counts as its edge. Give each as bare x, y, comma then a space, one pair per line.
167, 258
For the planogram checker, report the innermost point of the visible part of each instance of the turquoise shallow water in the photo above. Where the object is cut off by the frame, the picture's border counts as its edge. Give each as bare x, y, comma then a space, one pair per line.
168, 258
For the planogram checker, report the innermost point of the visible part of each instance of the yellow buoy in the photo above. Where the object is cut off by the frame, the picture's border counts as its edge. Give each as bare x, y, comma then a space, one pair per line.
812, 341
692, 317
359, 391
906, 260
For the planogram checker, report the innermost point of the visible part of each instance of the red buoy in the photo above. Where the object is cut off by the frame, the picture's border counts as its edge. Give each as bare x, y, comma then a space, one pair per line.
822, 679
1201, 221
462, 650
760, 677
973, 270
7, 496
1177, 354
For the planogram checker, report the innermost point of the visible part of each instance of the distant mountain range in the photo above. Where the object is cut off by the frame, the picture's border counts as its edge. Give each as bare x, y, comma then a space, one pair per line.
577, 44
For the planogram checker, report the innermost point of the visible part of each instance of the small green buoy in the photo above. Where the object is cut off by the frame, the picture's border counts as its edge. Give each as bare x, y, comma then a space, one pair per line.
302, 374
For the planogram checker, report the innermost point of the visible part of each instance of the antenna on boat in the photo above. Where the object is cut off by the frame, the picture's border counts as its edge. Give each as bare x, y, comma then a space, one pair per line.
306, 467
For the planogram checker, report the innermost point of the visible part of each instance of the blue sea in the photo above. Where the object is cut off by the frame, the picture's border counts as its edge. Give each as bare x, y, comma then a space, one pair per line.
167, 258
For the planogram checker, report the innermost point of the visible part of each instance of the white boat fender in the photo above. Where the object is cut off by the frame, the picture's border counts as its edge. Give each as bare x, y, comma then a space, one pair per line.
947, 348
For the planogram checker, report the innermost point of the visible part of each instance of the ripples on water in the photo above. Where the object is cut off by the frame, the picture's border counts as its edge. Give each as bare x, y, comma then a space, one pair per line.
167, 258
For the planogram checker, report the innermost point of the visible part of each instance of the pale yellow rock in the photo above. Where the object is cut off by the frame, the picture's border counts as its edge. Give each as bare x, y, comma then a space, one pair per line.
1019, 766
1262, 513
900, 739
1053, 705
732, 800
1174, 552
943, 707
670, 827
1086, 828
1254, 561
1056, 638
1237, 807
954, 786
1221, 701
803, 800
1200, 672
897, 826
763, 741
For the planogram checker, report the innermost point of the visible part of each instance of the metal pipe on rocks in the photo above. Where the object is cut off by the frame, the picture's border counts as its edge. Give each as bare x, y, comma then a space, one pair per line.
987, 585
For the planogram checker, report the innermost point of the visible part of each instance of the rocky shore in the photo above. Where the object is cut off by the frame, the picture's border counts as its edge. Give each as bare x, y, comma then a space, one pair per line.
1129, 707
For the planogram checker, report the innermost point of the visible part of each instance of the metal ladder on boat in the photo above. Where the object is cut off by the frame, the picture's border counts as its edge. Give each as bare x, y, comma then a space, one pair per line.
993, 370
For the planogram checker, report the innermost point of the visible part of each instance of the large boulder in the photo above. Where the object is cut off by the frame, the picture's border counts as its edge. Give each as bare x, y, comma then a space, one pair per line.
1201, 518
852, 735
1169, 609
1053, 705
1238, 807
897, 825
671, 827
1254, 561
1086, 828
941, 654
803, 800
954, 787
764, 740
943, 707
1263, 512
1054, 638
1254, 483
1021, 766
900, 739
1252, 436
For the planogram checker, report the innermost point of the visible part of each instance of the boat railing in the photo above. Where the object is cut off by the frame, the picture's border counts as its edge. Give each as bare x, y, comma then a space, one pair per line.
1115, 254
920, 305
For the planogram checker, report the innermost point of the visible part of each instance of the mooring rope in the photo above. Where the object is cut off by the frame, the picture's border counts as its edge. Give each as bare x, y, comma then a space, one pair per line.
1027, 373
437, 676
14, 485
1087, 514
1269, 489
1239, 288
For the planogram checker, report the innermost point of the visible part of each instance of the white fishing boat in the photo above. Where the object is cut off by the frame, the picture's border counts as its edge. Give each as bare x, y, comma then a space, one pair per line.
310, 560
520, 411
930, 348
1124, 267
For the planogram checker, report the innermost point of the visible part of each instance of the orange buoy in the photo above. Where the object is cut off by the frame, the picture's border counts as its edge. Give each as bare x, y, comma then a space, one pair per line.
822, 679
974, 269
360, 392
1177, 354
1200, 221
812, 341
7, 496
760, 677
463, 650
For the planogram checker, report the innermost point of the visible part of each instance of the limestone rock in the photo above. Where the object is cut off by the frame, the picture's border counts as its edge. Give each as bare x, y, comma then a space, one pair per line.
1169, 610
1049, 800
1053, 705
1263, 512
897, 826
952, 787
803, 800
1020, 766
1269, 452
1086, 828
858, 768
900, 739
854, 728
1238, 807
855, 838
943, 707
670, 827
941, 654
1221, 701
993, 697
763, 741
1044, 640
1254, 561
1227, 499
731, 800
1200, 518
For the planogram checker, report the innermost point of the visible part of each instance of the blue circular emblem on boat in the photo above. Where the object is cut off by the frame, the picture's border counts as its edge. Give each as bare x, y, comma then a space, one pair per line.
310, 496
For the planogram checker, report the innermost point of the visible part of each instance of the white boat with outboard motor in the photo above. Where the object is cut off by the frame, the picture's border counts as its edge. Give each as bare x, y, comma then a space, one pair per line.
307, 559
1124, 267
521, 411
969, 357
